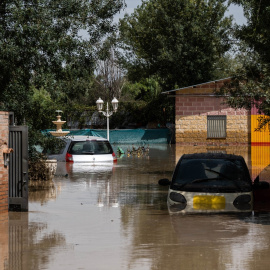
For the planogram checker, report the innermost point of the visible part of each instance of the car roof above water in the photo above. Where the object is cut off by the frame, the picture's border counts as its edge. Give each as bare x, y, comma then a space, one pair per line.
85, 138
211, 156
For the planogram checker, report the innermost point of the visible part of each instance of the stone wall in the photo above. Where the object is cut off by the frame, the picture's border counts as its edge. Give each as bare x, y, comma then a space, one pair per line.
191, 120
4, 132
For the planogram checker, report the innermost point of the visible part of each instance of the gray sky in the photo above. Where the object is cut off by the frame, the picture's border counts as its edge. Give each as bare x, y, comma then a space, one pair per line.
234, 10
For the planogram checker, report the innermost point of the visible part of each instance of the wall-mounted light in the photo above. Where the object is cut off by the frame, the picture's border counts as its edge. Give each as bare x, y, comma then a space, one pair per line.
6, 154
6, 159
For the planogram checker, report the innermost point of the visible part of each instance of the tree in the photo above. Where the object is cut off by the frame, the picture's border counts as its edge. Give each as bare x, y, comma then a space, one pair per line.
250, 84
110, 78
179, 41
41, 45
142, 103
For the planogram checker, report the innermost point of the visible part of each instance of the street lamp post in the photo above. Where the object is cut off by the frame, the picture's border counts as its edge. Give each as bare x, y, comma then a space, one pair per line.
107, 113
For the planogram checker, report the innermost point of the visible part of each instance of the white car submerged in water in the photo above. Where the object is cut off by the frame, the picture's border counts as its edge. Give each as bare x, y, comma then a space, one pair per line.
84, 149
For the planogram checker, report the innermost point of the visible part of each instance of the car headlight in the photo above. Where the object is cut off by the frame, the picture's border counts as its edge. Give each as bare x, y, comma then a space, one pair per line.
177, 197
242, 202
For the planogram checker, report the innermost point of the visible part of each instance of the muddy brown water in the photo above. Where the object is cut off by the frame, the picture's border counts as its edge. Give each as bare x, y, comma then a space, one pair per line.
115, 217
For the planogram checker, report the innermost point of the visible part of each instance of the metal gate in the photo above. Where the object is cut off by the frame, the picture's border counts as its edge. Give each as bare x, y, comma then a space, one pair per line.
18, 168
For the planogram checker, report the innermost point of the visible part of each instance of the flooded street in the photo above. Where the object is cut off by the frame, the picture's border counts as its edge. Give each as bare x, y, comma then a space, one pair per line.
116, 217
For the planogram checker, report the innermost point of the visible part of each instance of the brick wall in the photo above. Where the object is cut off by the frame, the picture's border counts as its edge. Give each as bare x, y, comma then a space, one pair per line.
4, 132
191, 119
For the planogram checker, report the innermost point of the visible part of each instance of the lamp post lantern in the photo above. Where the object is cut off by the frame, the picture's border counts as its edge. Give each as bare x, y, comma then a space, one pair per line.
107, 113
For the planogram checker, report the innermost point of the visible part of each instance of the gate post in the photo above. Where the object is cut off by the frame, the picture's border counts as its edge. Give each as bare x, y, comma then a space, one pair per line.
4, 135
18, 169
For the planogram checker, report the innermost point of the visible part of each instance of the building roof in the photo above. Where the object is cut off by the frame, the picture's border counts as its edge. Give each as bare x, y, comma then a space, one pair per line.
211, 84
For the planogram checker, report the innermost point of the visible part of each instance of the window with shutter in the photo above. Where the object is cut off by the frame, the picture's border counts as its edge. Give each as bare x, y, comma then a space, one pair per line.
216, 126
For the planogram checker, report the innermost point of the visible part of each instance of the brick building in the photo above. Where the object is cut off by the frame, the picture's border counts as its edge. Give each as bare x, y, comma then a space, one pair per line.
204, 123
203, 118
4, 226
4, 133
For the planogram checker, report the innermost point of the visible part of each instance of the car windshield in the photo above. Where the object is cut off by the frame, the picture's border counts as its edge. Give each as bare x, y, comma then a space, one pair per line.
90, 148
218, 175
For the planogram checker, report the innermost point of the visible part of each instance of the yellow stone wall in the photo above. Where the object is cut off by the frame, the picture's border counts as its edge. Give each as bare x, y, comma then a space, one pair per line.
192, 129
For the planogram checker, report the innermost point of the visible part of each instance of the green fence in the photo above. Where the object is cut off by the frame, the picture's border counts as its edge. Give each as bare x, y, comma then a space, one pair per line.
129, 136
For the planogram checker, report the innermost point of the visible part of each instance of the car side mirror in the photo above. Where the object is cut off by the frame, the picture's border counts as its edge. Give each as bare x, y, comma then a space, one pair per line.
164, 182
261, 185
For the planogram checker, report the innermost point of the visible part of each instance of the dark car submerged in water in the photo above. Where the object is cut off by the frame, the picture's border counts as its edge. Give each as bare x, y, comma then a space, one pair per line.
211, 182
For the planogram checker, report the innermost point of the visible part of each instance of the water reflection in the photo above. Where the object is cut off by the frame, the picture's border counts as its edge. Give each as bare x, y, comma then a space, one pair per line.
217, 242
4, 238
192, 241
24, 244
195, 242
116, 217
45, 195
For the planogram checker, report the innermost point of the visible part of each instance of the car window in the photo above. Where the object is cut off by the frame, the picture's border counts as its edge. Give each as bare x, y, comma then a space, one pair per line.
220, 173
90, 147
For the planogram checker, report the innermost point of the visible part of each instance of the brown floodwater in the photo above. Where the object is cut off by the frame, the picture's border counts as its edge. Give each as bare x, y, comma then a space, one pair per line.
115, 217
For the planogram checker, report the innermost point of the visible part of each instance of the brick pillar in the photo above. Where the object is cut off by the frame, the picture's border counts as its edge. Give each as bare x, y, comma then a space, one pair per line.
4, 133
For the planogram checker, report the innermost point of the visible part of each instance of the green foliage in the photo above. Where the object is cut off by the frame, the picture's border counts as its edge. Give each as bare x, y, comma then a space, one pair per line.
79, 112
45, 62
256, 32
226, 66
142, 103
42, 107
39, 141
250, 85
128, 112
38, 169
159, 110
145, 90
177, 40
263, 123
41, 44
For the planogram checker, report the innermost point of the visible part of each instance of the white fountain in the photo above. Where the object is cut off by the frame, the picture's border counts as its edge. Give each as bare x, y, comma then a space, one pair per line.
59, 132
